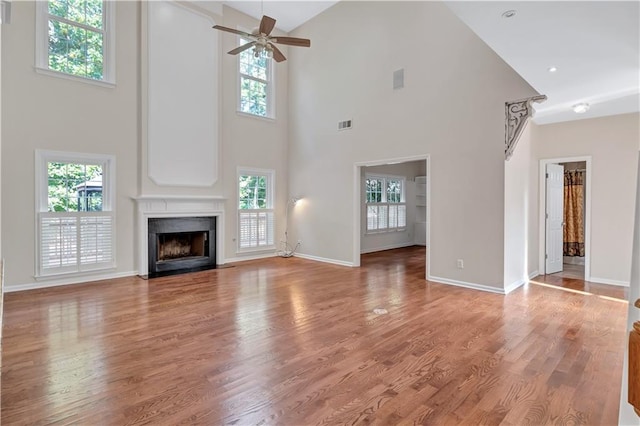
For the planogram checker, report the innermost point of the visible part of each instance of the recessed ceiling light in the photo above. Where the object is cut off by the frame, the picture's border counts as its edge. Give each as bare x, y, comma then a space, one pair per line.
552, 69
509, 14
581, 108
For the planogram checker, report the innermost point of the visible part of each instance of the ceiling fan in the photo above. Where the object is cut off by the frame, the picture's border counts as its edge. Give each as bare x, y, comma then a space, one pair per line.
263, 40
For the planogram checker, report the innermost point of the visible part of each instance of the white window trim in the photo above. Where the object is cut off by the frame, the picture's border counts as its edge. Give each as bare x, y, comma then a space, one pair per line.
271, 104
271, 179
108, 46
384, 202
108, 162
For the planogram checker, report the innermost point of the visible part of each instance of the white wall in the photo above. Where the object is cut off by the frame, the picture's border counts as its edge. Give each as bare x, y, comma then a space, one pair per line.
181, 103
452, 108
387, 240
1, 26
249, 141
519, 216
59, 114
246, 141
612, 142
533, 201
627, 414
44, 112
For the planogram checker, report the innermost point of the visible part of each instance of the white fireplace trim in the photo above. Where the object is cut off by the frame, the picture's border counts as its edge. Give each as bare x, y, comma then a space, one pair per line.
163, 206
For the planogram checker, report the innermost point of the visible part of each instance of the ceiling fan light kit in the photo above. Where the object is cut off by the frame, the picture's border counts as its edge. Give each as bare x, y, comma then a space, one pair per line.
263, 41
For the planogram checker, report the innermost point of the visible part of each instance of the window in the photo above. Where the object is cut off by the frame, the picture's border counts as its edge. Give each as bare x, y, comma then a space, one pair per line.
75, 214
255, 209
385, 200
75, 38
255, 82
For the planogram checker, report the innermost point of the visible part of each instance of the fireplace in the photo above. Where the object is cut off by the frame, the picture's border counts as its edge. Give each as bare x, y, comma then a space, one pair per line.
181, 244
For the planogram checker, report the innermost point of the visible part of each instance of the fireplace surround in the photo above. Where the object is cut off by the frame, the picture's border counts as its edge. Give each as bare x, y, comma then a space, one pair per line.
177, 206
181, 244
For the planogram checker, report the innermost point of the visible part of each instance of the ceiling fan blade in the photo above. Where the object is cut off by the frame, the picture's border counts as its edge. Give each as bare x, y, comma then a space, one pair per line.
241, 48
231, 30
267, 23
277, 54
292, 41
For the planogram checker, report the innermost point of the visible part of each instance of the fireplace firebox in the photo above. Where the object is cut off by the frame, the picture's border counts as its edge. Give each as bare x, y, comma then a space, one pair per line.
181, 244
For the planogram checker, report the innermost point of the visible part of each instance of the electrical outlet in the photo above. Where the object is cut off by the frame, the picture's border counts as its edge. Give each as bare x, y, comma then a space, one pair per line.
460, 264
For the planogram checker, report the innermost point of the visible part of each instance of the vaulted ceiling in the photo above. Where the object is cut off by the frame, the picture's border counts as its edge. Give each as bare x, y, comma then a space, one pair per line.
594, 47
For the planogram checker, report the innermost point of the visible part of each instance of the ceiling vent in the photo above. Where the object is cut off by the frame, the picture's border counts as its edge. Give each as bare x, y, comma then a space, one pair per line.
344, 125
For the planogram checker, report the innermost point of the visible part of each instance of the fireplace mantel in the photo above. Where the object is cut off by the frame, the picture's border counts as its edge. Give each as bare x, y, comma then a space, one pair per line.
154, 206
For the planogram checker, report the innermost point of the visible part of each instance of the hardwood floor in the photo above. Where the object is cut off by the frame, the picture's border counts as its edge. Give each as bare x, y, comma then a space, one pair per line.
295, 342
579, 285
571, 271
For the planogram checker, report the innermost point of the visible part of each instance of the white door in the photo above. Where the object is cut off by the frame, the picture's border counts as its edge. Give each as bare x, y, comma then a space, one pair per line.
554, 218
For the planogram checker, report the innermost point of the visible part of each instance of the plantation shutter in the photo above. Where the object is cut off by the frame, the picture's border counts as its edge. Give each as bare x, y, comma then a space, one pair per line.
382, 216
58, 244
256, 228
393, 216
402, 216
96, 241
75, 241
372, 218
386, 216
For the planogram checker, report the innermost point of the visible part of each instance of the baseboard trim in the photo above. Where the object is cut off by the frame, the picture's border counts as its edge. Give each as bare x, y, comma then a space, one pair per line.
324, 260
533, 274
67, 281
472, 286
389, 247
606, 281
249, 257
514, 285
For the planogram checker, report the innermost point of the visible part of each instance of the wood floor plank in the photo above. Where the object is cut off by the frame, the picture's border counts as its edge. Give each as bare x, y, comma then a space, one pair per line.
296, 342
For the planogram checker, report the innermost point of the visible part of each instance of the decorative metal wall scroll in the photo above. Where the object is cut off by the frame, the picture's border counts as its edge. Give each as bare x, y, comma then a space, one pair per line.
517, 114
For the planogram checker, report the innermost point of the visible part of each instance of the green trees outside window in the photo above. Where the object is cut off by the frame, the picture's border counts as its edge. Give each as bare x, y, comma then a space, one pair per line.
374, 190
76, 37
254, 82
74, 187
394, 191
252, 192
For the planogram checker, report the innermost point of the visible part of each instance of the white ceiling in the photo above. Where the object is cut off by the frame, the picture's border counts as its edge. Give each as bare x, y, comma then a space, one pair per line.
595, 46
288, 14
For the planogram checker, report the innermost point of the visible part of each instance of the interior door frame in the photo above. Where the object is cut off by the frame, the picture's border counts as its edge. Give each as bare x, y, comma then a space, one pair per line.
542, 205
357, 201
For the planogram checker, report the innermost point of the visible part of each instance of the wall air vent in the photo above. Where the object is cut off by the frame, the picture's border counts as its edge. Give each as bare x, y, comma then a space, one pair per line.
344, 125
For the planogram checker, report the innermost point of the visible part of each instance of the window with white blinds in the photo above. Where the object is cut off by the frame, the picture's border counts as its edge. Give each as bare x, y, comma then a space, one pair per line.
255, 209
385, 203
75, 214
